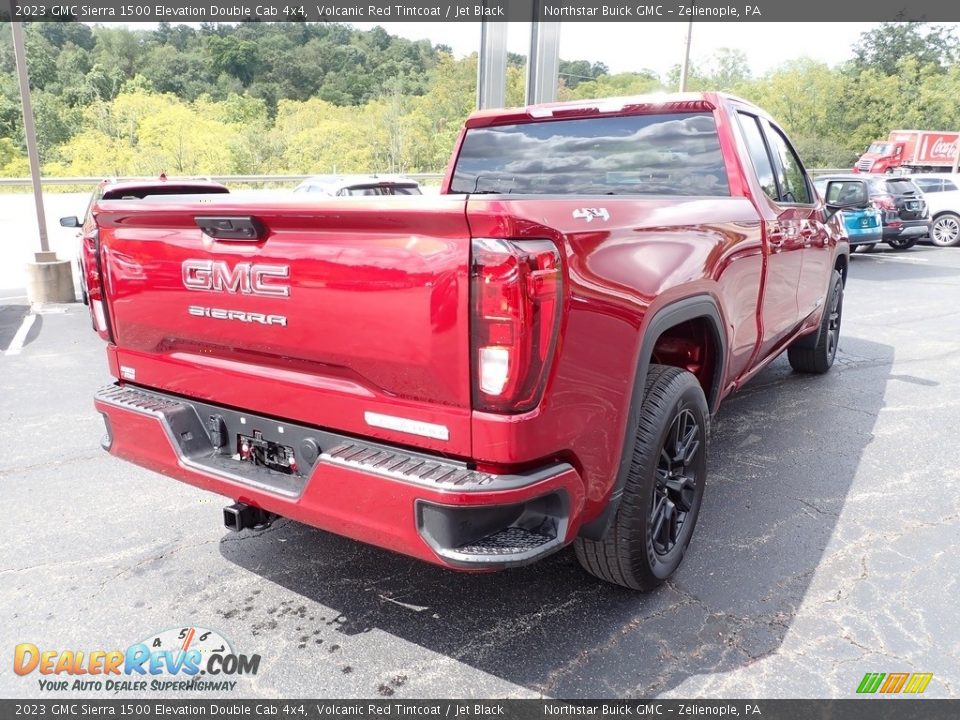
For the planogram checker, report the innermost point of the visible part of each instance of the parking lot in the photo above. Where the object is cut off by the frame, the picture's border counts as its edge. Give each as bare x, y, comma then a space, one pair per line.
826, 547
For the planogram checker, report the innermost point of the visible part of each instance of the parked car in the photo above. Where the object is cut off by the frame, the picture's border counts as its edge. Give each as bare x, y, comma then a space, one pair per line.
942, 193
112, 189
349, 185
863, 226
528, 361
905, 215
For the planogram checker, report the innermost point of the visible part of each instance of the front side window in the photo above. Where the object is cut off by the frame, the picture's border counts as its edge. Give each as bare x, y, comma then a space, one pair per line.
662, 154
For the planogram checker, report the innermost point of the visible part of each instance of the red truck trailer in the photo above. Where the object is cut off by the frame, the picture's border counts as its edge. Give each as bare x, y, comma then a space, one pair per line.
910, 151
526, 362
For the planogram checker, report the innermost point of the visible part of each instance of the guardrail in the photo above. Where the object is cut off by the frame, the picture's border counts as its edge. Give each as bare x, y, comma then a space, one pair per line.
269, 179
272, 179
225, 179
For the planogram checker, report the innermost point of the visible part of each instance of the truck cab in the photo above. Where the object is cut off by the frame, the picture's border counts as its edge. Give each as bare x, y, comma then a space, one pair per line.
881, 156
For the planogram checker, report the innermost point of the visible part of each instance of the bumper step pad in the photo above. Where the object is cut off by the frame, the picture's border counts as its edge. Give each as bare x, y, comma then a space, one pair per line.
512, 541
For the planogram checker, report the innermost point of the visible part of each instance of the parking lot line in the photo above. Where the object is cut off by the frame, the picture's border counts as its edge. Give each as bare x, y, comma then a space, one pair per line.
16, 345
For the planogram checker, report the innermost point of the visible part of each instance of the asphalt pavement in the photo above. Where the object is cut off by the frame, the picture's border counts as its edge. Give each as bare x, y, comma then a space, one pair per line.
826, 547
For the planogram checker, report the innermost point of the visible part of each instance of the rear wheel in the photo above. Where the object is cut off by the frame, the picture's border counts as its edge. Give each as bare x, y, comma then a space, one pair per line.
815, 353
902, 243
945, 231
648, 536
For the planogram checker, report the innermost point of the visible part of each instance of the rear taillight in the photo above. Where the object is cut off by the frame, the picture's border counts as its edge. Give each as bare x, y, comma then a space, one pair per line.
516, 296
884, 202
92, 268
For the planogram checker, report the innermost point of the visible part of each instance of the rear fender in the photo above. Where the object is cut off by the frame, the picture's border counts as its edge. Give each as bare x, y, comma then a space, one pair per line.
698, 306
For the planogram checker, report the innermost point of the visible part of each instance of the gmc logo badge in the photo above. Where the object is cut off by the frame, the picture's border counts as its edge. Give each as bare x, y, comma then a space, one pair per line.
244, 278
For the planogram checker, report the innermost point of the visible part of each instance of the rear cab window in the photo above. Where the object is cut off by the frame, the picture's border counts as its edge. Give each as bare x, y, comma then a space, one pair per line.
652, 154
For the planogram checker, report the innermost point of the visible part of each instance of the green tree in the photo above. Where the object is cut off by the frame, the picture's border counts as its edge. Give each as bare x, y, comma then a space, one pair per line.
882, 48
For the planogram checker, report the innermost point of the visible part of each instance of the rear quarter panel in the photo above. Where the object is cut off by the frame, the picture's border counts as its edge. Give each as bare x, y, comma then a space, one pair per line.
651, 253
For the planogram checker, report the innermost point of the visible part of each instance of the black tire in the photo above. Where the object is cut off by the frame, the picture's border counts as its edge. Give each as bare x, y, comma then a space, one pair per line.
902, 243
815, 353
945, 230
663, 489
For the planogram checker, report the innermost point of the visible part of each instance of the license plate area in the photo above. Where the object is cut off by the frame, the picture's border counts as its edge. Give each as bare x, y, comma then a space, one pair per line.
261, 452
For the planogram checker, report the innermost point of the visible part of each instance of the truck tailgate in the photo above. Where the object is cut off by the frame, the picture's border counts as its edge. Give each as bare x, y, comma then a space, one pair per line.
342, 311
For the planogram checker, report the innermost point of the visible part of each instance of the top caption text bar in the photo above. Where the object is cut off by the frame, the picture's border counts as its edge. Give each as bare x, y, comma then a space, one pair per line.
174, 11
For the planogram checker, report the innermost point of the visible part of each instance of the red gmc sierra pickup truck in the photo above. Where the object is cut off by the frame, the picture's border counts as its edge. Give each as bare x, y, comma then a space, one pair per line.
477, 379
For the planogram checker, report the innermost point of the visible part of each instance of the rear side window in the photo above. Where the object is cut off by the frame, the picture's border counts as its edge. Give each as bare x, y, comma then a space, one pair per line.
930, 185
664, 154
948, 186
791, 177
758, 155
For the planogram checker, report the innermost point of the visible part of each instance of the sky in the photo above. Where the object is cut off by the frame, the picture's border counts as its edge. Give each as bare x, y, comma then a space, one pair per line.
633, 46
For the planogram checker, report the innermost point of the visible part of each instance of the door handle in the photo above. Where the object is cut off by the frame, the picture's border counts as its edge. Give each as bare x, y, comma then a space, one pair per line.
775, 236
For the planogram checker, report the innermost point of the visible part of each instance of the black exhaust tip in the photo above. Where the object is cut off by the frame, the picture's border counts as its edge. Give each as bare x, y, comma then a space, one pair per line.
241, 516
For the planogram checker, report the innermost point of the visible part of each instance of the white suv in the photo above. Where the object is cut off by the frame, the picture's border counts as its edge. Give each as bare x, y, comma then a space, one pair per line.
942, 193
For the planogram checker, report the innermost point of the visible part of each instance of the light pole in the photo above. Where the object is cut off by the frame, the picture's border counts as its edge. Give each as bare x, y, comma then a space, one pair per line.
48, 280
685, 68
29, 131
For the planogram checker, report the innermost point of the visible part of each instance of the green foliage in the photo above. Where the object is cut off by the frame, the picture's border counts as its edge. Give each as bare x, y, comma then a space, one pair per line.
259, 98
883, 48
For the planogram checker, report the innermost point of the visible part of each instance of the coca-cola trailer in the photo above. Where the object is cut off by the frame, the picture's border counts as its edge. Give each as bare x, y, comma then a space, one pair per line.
911, 151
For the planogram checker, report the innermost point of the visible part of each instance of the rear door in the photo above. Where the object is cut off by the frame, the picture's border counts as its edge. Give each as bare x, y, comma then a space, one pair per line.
797, 193
784, 243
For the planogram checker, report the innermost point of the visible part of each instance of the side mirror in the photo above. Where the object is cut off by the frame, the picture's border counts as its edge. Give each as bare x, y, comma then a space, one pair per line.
70, 222
846, 195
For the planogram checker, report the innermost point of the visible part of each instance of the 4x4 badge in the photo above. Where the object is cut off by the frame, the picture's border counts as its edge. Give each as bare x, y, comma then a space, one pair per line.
589, 214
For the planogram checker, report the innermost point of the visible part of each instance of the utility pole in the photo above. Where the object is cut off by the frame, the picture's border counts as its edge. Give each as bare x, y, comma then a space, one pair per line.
29, 131
48, 280
685, 68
